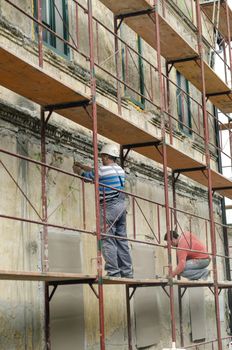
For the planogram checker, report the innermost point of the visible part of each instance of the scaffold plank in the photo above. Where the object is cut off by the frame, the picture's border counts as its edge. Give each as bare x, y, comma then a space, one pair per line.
40, 86
32, 82
208, 9
120, 7
174, 48
225, 284
173, 45
46, 277
202, 283
179, 160
226, 126
217, 91
192, 71
148, 282
192, 283
220, 183
61, 278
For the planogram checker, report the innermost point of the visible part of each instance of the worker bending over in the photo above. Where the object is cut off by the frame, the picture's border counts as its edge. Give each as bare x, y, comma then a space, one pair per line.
191, 264
116, 252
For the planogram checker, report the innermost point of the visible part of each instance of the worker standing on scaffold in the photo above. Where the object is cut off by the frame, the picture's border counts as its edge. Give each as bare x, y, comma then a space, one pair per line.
191, 264
116, 252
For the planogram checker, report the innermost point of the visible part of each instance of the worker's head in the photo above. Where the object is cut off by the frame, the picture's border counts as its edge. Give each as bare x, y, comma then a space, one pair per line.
174, 238
109, 153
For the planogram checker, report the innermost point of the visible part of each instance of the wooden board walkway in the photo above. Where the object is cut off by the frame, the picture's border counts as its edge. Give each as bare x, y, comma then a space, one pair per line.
61, 278
40, 86
208, 9
174, 48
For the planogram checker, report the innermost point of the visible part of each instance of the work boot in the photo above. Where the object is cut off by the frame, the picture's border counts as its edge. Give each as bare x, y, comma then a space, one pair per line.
128, 276
116, 275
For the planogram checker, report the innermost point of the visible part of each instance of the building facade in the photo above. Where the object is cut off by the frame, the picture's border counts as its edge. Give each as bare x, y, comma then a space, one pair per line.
139, 94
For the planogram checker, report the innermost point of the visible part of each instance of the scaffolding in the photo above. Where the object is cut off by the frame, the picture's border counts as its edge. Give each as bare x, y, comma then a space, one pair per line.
86, 109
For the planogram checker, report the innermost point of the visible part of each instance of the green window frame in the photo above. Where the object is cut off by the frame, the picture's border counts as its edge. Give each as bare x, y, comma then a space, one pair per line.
52, 11
183, 104
140, 102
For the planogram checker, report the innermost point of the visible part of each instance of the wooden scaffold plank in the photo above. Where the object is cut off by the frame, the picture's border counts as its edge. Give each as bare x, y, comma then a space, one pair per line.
208, 9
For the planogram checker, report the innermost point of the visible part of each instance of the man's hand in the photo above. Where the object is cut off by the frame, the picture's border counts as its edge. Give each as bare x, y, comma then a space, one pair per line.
77, 169
82, 166
78, 164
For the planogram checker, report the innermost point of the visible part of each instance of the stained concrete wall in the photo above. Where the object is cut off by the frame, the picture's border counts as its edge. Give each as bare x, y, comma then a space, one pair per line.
21, 242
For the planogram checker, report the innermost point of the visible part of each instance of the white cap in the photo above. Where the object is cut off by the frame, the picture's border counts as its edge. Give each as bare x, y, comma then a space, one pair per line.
110, 149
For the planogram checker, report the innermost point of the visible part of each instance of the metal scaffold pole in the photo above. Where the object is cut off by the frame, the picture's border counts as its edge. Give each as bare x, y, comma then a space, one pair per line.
45, 228
40, 33
165, 171
175, 223
95, 150
117, 56
209, 175
229, 38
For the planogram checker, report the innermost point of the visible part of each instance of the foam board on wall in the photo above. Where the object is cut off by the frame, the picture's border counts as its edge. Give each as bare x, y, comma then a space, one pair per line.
66, 306
197, 313
147, 327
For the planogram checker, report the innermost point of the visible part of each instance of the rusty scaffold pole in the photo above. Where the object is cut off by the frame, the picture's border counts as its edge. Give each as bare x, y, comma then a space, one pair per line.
165, 171
45, 262
228, 20
40, 33
229, 39
95, 150
117, 64
175, 224
209, 175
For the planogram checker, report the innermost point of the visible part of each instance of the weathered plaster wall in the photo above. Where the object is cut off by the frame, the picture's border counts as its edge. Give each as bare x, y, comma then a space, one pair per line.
65, 207
21, 242
104, 53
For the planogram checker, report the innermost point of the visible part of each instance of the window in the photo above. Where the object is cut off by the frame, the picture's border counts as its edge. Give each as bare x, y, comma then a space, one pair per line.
55, 17
183, 104
133, 71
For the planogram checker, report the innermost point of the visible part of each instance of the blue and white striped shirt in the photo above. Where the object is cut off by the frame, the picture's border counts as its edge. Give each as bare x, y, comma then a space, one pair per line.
110, 175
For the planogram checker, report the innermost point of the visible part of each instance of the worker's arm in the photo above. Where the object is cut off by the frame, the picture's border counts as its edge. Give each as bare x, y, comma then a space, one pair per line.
87, 174
82, 166
181, 255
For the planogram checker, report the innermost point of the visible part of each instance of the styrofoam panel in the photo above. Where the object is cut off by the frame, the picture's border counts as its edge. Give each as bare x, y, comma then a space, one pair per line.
197, 313
147, 327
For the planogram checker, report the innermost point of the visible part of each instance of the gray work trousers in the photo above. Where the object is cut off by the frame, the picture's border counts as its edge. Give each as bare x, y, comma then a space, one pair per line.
116, 252
195, 269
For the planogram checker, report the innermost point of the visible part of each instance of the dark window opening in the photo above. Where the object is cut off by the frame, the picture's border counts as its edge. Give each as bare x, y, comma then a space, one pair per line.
183, 104
55, 17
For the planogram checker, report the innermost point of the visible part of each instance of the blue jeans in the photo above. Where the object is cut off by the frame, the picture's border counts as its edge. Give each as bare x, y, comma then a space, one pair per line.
116, 252
195, 269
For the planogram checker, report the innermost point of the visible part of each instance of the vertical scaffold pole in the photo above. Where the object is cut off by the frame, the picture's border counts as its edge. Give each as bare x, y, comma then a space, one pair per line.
179, 288
40, 33
229, 38
117, 56
128, 309
45, 228
95, 150
209, 174
225, 233
165, 171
